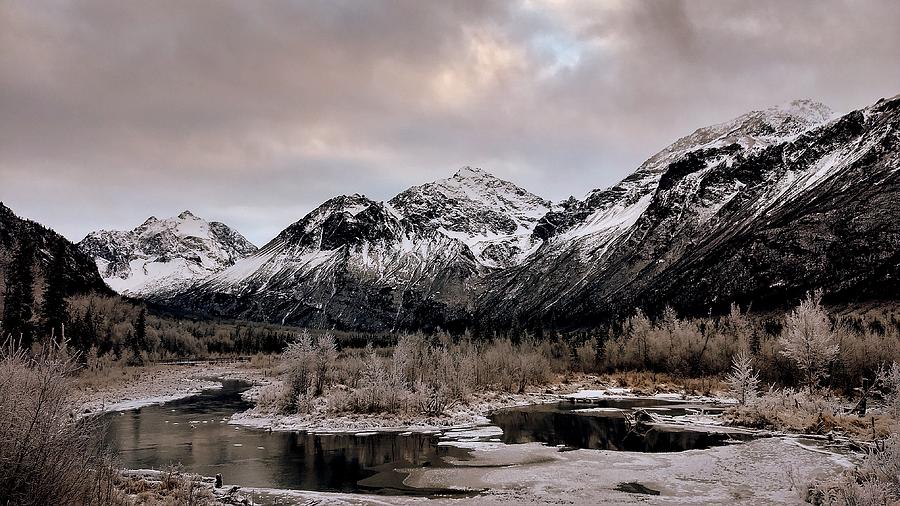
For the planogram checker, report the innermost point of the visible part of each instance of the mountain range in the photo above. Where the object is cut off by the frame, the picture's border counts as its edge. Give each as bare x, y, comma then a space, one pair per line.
756, 210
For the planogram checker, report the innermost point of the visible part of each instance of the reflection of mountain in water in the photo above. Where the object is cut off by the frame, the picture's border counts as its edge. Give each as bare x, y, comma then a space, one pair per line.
194, 433
342, 461
561, 424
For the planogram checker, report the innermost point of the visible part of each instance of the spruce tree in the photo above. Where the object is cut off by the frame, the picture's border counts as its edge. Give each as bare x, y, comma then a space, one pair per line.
53, 307
18, 306
138, 340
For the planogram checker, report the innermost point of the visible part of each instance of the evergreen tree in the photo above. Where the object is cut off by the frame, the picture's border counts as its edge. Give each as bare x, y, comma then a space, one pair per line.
18, 306
137, 342
84, 333
53, 308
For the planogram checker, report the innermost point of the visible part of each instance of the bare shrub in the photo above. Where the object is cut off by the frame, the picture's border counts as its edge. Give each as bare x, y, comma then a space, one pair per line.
891, 380
308, 365
326, 355
794, 411
47, 455
586, 356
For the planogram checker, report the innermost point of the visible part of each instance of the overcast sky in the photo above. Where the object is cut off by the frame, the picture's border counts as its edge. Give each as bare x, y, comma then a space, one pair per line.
253, 113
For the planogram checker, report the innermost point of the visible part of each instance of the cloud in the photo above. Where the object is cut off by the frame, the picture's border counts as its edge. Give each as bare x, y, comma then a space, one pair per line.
255, 113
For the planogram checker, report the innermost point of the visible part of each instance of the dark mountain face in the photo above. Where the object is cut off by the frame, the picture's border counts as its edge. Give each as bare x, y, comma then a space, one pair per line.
752, 225
755, 210
352, 263
80, 273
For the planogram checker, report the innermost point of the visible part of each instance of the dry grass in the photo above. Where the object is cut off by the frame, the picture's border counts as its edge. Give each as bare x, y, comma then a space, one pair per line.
170, 487
875, 482
113, 375
809, 413
649, 383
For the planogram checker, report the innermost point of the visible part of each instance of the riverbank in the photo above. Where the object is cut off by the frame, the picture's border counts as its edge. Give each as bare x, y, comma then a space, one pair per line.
157, 384
474, 411
764, 471
773, 470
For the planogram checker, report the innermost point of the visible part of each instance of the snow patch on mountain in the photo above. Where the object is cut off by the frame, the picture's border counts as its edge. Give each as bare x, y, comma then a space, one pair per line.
606, 214
493, 217
164, 256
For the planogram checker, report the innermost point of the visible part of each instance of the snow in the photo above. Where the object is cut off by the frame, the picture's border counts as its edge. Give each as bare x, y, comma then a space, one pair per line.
476, 209
149, 391
599, 394
163, 255
749, 473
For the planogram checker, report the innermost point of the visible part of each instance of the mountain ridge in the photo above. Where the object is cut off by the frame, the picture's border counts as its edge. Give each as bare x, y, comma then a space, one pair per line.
80, 274
473, 250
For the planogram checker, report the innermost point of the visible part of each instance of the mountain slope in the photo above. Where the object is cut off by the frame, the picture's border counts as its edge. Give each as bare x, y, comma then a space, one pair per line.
80, 272
754, 210
164, 256
493, 217
359, 264
744, 218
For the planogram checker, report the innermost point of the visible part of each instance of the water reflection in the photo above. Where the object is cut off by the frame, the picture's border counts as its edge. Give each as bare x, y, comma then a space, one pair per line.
600, 425
194, 432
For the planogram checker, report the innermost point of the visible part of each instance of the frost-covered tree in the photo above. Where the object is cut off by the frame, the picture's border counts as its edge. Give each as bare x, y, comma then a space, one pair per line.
299, 360
743, 381
373, 379
891, 379
326, 355
808, 339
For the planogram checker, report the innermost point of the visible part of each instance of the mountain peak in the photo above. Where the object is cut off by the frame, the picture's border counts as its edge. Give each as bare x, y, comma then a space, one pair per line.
805, 111
166, 254
468, 172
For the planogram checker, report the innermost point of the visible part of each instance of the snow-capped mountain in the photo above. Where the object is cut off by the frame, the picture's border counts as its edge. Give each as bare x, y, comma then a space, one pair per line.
164, 256
755, 210
357, 263
493, 217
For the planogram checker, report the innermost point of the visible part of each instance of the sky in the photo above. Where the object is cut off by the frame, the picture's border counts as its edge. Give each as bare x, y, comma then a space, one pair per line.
253, 113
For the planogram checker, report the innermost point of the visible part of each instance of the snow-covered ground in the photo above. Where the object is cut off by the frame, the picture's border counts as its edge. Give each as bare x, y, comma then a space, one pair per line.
764, 471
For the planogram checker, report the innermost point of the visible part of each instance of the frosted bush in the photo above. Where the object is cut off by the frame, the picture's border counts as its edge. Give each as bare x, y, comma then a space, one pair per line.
892, 387
47, 455
875, 482
808, 339
743, 381
790, 410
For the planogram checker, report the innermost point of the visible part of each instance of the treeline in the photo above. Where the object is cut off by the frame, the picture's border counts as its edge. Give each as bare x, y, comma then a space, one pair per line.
117, 328
850, 347
112, 326
806, 347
